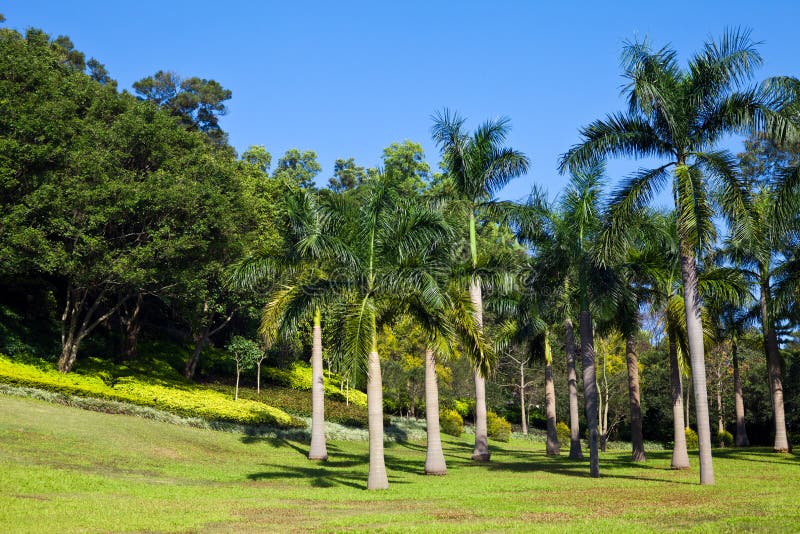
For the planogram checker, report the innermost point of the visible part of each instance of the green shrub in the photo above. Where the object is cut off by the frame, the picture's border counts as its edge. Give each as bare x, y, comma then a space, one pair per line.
691, 439
497, 427
451, 422
563, 433
465, 408
298, 376
179, 398
724, 438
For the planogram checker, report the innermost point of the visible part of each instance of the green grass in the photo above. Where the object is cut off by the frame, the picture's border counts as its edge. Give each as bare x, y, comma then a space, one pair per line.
68, 470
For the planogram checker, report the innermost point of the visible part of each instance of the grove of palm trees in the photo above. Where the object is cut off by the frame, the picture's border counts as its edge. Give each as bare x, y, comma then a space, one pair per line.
196, 337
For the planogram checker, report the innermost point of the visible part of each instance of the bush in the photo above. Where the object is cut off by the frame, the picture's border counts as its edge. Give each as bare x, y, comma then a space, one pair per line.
563, 433
298, 376
179, 398
451, 423
691, 439
465, 408
497, 427
724, 438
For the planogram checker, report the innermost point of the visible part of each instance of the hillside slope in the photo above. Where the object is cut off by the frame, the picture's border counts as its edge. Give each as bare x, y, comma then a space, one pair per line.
69, 470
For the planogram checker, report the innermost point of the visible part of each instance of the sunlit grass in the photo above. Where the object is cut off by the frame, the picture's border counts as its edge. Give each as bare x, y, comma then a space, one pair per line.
66, 470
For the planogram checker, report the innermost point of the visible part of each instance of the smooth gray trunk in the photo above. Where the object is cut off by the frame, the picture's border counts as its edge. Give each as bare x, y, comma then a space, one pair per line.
680, 456
318, 449
377, 478
522, 408
575, 451
772, 351
637, 436
741, 428
481, 451
589, 389
434, 457
694, 332
236, 392
552, 448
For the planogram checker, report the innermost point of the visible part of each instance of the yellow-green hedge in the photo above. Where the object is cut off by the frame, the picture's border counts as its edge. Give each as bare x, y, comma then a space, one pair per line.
181, 399
298, 376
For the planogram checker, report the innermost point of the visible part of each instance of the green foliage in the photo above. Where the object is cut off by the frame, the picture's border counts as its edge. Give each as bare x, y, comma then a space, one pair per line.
175, 397
464, 407
497, 427
724, 438
245, 352
563, 433
298, 402
298, 376
451, 423
691, 439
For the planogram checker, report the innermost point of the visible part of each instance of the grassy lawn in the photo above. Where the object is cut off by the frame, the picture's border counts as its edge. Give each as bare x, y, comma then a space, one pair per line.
67, 470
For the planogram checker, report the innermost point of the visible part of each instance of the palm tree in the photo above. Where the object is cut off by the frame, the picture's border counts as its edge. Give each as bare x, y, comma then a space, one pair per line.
523, 326
679, 116
758, 249
301, 273
478, 166
654, 266
454, 322
565, 258
391, 242
730, 323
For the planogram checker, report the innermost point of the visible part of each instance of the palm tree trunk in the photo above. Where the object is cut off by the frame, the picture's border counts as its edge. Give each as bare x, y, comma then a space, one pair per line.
589, 388
481, 451
694, 331
318, 449
522, 410
774, 367
377, 478
680, 456
637, 436
741, 429
575, 452
434, 458
553, 448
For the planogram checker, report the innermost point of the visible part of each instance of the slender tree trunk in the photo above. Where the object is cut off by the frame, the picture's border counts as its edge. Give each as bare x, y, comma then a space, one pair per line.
258, 377
434, 458
132, 327
720, 414
694, 331
773, 366
236, 391
318, 449
603, 395
680, 456
575, 452
552, 448
481, 451
741, 429
377, 479
687, 404
589, 389
200, 340
523, 411
637, 436
78, 321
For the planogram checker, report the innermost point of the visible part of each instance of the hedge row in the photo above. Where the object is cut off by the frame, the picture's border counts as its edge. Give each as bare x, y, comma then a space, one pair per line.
182, 399
298, 376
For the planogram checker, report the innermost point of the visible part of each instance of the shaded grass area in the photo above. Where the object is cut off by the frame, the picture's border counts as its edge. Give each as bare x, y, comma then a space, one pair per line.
68, 470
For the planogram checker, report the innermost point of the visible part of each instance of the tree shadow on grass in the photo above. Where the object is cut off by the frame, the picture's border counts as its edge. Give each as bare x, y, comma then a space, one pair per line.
765, 455
580, 469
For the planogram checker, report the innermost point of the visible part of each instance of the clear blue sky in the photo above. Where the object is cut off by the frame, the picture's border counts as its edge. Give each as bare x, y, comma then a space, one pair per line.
348, 78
